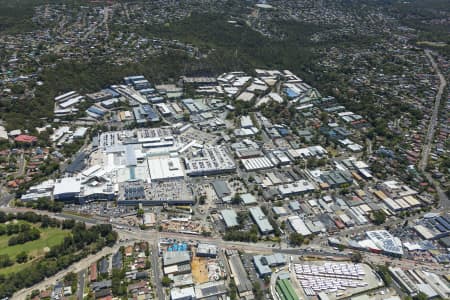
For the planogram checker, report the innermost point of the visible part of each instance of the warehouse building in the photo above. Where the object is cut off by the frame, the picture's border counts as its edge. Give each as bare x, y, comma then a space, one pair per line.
99, 96
221, 188
66, 96
243, 284
211, 290
145, 113
246, 122
80, 133
196, 106
213, 160
70, 102
265, 263
187, 293
435, 227
247, 199
299, 226
285, 290
165, 168
206, 250
257, 163
229, 217
336, 178
164, 109
110, 103
130, 79
171, 258
261, 220
297, 188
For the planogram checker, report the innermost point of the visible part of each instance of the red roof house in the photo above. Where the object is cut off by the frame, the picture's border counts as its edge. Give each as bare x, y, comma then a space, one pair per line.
23, 138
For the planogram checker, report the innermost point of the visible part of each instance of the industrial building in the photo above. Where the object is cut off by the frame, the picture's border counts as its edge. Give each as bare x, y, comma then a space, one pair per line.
243, 284
299, 226
206, 250
416, 281
100, 96
187, 293
211, 290
171, 258
165, 168
247, 199
221, 188
213, 160
265, 263
80, 133
229, 217
257, 163
434, 227
297, 188
384, 242
196, 106
145, 113
337, 178
261, 220
285, 290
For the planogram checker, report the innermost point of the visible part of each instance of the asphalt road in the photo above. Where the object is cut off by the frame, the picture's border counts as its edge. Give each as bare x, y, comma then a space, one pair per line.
76, 267
443, 198
80, 288
156, 274
5, 196
434, 117
153, 237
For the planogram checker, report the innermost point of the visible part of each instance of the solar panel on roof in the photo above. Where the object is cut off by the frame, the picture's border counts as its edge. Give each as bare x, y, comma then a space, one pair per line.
210, 290
444, 223
440, 228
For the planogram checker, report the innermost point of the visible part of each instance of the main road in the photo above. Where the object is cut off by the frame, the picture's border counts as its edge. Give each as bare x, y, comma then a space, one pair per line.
434, 117
75, 268
128, 235
445, 202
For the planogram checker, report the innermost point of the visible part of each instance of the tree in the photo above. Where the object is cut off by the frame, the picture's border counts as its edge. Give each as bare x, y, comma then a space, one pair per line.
379, 217
259, 294
356, 257
421, 296
296, 239
34, 293
5, 261
384, 274
21, 257
140, 213
118, 285
236, 199
232, 290
324, 117
166, 281
202, 199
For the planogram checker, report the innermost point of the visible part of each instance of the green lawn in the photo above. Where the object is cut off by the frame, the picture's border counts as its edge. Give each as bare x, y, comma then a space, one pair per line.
49, 237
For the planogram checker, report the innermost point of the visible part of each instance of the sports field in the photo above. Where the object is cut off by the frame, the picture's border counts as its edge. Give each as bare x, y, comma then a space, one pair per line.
35, 249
